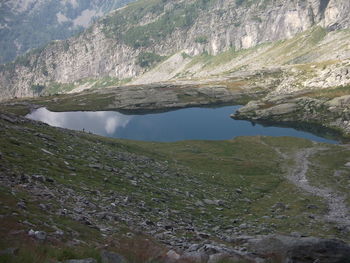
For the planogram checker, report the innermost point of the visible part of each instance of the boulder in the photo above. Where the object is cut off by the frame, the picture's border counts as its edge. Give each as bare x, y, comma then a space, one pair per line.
171, 256
282, 109
9, 251
251, 106
40, 235
224, 257
301, 250
194, 257
110, 257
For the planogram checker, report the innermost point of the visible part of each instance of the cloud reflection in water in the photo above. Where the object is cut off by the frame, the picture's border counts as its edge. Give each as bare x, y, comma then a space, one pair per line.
102, 122
184, 124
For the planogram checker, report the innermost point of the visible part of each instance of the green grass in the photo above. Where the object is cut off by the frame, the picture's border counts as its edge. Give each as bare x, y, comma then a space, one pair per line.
329, 170
205, 169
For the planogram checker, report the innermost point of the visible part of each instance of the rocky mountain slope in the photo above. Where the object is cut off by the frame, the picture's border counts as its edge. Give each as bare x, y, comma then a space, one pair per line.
184, 36
27, 24
72, 195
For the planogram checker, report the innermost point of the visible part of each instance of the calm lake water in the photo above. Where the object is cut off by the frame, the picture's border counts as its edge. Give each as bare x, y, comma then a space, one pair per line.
183, 124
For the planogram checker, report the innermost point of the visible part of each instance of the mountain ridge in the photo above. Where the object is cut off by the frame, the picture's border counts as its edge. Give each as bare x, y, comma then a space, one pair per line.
131, 41
26, 24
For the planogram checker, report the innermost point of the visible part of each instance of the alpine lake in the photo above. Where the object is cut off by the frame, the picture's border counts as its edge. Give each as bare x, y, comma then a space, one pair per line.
170, 126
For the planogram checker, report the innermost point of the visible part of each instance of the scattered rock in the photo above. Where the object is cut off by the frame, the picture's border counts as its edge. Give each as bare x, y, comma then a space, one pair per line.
42, 207
45, 137
239, 191
110, 257
50, 180
203, 235
209, 202
9, 251
312, 206
59, 232
40, 235
243, 226
47, 152
22, 205
8, 118
39, 178
96, 166
24, 178
147, 175
199, 203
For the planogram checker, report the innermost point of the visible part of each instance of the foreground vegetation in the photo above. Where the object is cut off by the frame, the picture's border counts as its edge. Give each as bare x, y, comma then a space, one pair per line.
89, 192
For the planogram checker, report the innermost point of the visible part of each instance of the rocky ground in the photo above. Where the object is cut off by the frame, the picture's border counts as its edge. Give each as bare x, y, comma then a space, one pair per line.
150, 97
300, 96
71, 195
327, 109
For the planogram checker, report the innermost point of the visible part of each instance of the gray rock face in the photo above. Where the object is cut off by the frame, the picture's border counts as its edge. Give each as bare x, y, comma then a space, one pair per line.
328, 113
96, 54
52, 19
282, 109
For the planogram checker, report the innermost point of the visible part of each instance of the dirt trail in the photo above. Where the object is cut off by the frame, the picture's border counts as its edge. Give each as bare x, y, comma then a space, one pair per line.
338, 211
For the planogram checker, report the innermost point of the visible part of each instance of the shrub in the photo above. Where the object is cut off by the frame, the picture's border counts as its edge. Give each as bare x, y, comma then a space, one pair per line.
38, 88
185, 55
201, 39
148, 59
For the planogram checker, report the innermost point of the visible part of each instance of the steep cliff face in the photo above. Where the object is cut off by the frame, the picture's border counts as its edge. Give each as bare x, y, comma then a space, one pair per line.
129, 41
26, 24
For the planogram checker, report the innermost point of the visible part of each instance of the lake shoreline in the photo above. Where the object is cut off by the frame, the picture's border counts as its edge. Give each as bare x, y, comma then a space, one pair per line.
150, 99
195, 123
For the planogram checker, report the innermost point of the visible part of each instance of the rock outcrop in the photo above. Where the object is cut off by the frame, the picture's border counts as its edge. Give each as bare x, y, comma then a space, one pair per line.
130, 40
303, 109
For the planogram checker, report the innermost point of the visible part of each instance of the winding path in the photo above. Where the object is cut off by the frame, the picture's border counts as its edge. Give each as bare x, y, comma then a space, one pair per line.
338, 211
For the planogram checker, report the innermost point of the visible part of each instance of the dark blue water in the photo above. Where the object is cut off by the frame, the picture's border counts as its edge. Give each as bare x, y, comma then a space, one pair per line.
183, 124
